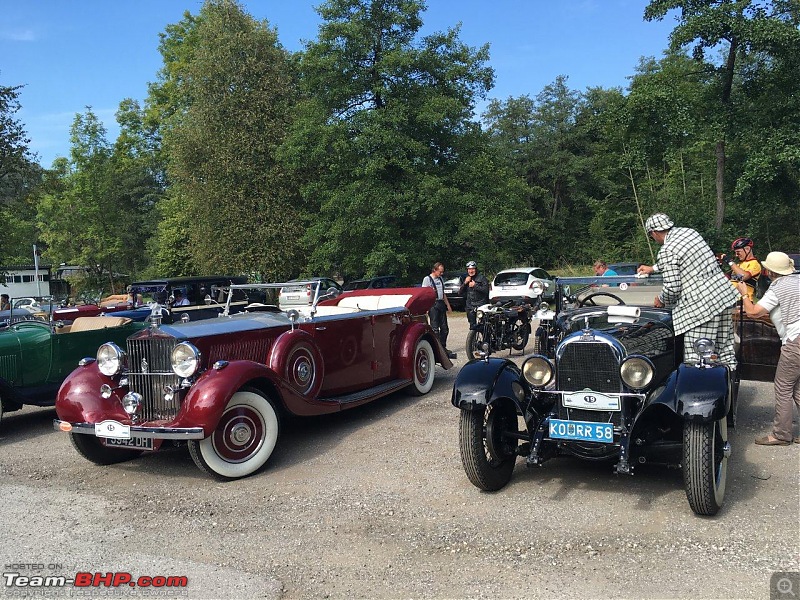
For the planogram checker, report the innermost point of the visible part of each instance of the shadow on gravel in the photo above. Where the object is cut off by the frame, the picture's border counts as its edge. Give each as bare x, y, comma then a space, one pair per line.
26, 424
301, 439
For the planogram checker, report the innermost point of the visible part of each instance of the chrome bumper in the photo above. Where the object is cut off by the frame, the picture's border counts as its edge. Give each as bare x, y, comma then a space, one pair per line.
157, 433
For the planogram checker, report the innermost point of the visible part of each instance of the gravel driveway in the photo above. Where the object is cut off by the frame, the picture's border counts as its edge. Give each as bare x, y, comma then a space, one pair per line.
374, 503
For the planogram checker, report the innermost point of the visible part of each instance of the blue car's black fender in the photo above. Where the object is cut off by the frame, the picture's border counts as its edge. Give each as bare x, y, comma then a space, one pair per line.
694, 393
480, 382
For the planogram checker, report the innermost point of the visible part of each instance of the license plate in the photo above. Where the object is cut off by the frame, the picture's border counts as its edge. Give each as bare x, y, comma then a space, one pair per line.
449, 292
585, 431
589, 400
112, 429
293, 297
139, 443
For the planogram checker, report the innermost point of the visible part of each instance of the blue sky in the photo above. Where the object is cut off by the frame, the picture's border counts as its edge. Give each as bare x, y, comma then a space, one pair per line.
70, 54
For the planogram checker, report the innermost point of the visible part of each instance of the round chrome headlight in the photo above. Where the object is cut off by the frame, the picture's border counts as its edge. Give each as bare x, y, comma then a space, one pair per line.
704, 347
185, 359
538, 371
479, 315
110, 359
636, 372
537, 288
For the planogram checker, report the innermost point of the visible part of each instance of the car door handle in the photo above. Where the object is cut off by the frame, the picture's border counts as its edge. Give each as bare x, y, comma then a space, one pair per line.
321, 328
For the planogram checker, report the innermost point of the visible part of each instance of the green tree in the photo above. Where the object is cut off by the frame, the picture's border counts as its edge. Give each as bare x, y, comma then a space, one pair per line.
386, 148
88, 212
738, 27
223, 102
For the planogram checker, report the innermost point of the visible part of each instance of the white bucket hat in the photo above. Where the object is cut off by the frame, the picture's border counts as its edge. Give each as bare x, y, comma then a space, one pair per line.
779, 262
658, 222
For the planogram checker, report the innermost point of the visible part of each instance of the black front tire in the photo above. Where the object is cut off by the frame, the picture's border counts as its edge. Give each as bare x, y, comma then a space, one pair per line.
705, 465
488, 452
521, 337
93, 450
475, 340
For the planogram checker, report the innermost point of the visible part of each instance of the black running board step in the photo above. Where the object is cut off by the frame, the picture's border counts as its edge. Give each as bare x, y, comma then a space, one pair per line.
373, 392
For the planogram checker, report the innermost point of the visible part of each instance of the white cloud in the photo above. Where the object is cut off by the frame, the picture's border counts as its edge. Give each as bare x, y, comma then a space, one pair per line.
19, 35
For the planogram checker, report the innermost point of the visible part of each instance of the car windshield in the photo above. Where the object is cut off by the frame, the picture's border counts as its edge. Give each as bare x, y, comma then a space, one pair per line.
511, 279
356, 285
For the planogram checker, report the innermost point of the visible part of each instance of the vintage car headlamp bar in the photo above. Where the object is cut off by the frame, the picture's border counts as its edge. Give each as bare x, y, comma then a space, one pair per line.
538, 371
185, 359
637, 372
110, 359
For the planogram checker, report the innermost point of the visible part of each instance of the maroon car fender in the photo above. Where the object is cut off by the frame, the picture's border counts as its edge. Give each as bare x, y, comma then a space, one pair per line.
297, 360
207, 398
412, 335
79, 400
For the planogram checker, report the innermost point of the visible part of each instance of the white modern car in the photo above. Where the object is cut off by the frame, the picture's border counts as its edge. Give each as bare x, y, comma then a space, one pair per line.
522, 283
303, 291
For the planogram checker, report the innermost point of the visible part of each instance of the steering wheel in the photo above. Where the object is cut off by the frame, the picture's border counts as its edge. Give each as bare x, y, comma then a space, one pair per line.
589, 299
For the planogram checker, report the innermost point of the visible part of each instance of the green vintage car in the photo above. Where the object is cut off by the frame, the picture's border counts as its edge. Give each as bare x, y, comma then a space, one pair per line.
36, 356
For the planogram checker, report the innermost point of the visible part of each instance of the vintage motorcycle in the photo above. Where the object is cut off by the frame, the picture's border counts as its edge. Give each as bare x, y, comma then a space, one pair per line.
499, 326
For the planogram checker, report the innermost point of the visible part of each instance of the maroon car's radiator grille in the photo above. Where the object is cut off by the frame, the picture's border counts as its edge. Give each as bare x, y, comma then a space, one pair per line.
588, 365
150, 372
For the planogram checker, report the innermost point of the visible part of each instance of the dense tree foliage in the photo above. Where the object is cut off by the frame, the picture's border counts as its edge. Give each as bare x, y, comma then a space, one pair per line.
226, 93
362, 154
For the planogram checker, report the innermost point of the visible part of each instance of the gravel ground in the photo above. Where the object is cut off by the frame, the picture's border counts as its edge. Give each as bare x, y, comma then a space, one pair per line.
374, 503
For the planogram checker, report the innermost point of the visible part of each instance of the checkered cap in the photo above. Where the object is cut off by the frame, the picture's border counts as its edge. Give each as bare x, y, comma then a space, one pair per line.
658, 222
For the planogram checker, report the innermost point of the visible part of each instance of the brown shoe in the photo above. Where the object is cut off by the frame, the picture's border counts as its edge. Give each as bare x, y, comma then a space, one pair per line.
768, 440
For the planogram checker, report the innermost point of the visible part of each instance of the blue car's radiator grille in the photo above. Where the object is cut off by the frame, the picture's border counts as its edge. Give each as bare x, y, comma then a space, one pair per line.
150, 371
588, 365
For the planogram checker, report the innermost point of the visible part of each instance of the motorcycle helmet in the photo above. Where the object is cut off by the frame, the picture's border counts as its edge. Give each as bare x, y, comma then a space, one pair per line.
472, 265
741, 242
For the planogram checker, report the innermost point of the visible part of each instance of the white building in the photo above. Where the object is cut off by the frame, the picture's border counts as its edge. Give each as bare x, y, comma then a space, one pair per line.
21, 281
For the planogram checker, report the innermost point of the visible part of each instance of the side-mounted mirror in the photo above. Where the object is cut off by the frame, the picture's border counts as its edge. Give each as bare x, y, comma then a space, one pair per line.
293, 316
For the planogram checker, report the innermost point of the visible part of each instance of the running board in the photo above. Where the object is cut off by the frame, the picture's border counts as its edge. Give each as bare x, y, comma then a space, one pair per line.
373, 392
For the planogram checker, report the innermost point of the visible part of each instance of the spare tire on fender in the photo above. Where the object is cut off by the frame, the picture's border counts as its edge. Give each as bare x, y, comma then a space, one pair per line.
297, 360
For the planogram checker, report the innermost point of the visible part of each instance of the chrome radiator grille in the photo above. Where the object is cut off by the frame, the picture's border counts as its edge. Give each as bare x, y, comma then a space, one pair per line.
588, 365
150, 371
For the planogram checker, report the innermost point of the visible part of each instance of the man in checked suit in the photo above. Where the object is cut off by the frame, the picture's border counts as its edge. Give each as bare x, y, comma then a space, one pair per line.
701, 297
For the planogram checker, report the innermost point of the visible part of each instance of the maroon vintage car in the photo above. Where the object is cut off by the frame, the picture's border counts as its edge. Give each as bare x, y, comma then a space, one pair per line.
223, 384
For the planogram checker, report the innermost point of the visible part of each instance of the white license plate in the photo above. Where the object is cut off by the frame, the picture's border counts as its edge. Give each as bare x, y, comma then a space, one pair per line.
585, 431
293, 297
449, 292
112, 429
589, 400
139, 443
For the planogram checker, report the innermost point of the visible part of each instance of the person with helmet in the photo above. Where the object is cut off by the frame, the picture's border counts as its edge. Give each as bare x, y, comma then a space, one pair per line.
700, 295
782, 303
748, 269
475, 291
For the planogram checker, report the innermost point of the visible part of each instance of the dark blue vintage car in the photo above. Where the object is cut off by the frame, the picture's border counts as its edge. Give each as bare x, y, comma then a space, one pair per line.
608, 383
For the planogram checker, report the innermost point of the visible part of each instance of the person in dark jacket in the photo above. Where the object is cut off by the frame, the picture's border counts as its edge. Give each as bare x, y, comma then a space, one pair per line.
475, 291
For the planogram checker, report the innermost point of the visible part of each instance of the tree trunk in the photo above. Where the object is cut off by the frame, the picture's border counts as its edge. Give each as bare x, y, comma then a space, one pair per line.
720, 149
720, 185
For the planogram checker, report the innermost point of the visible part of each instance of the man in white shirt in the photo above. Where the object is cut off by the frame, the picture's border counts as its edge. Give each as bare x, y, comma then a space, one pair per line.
782, 302
440, 308
180, 299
